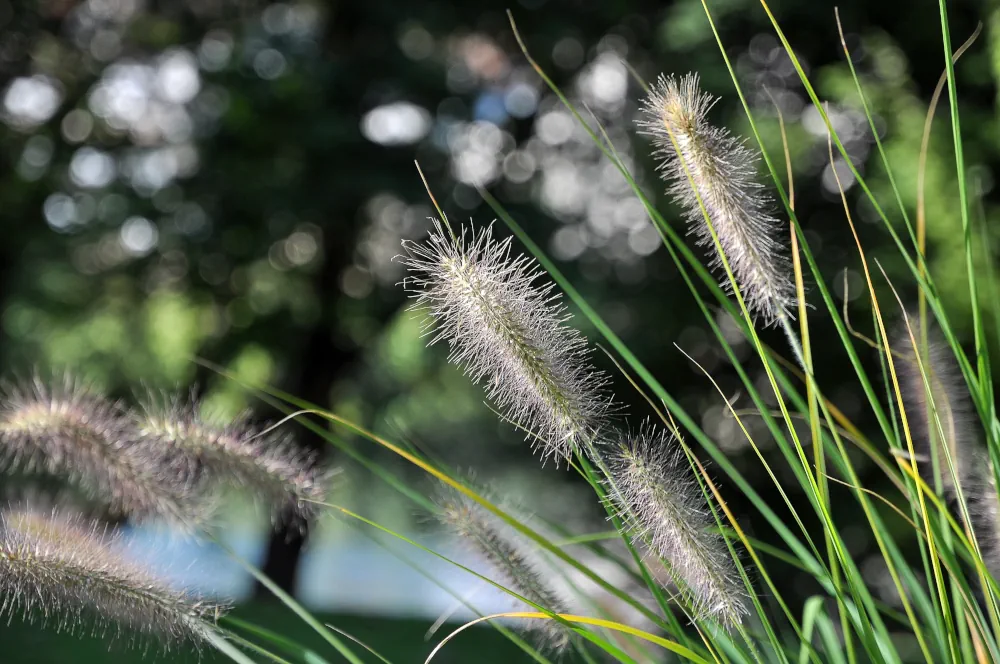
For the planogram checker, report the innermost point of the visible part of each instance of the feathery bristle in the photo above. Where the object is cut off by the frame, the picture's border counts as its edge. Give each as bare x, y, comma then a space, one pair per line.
723, 172
287, 477
936, 381
662, 507
940, 416
59, 569
501, 324
68, 430
514, 566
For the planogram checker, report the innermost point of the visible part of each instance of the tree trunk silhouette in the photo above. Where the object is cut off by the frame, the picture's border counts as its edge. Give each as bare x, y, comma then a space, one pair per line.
352, 60
321, 360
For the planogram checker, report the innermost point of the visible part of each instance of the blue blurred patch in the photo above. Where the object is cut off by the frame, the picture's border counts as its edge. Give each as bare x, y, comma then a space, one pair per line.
490, 106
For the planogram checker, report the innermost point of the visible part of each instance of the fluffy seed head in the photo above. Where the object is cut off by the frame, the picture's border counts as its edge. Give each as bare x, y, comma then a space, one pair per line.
66, 429
940, 417
59, 569
662, 507
723, 173
936, 402
513, 564
502, 325
287, 477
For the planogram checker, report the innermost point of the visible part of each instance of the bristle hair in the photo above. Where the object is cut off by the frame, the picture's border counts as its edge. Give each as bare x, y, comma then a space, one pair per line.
701, 161
66, 428
513, 564
58, 568
662, 507
505, 325
268, 464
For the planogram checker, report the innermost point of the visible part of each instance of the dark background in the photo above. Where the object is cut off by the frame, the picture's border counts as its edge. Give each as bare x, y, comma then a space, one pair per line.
230, 180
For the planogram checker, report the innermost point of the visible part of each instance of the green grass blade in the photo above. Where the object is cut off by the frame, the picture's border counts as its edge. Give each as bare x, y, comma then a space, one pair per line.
220, 643
273, 637
982, 354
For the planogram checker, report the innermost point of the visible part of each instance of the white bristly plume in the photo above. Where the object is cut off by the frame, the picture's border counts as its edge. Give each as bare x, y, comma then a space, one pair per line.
65, 428
663, 508
699, 157
514, 565
76, 576
936, 402
504, 324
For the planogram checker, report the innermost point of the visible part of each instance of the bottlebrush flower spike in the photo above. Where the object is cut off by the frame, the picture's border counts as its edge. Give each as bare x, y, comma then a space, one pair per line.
931, 387
503, 325
662, 507
58, 568
723, 172
514, 566
271, 465
68, 430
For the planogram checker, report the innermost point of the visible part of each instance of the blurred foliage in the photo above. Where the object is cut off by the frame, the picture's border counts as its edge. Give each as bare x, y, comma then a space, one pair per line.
230, 180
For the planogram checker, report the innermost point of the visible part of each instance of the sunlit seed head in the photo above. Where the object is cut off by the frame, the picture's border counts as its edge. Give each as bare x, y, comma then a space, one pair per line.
270, 465
705, 165
72, 574
505, 325
513, 564
663, 509
65, 428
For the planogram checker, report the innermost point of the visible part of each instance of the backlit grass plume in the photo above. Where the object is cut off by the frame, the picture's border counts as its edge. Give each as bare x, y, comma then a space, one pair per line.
63, 571
269, 464
66, 429
504, 324
514, 566
943, 426
936, 402
707, 162
663, 508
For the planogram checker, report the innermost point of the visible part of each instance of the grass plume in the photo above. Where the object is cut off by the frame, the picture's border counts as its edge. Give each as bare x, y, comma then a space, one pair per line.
662, 508
703, 161
504, 324
941, 419
937, 406
268, 464
60, 569
67, 429
514, 566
